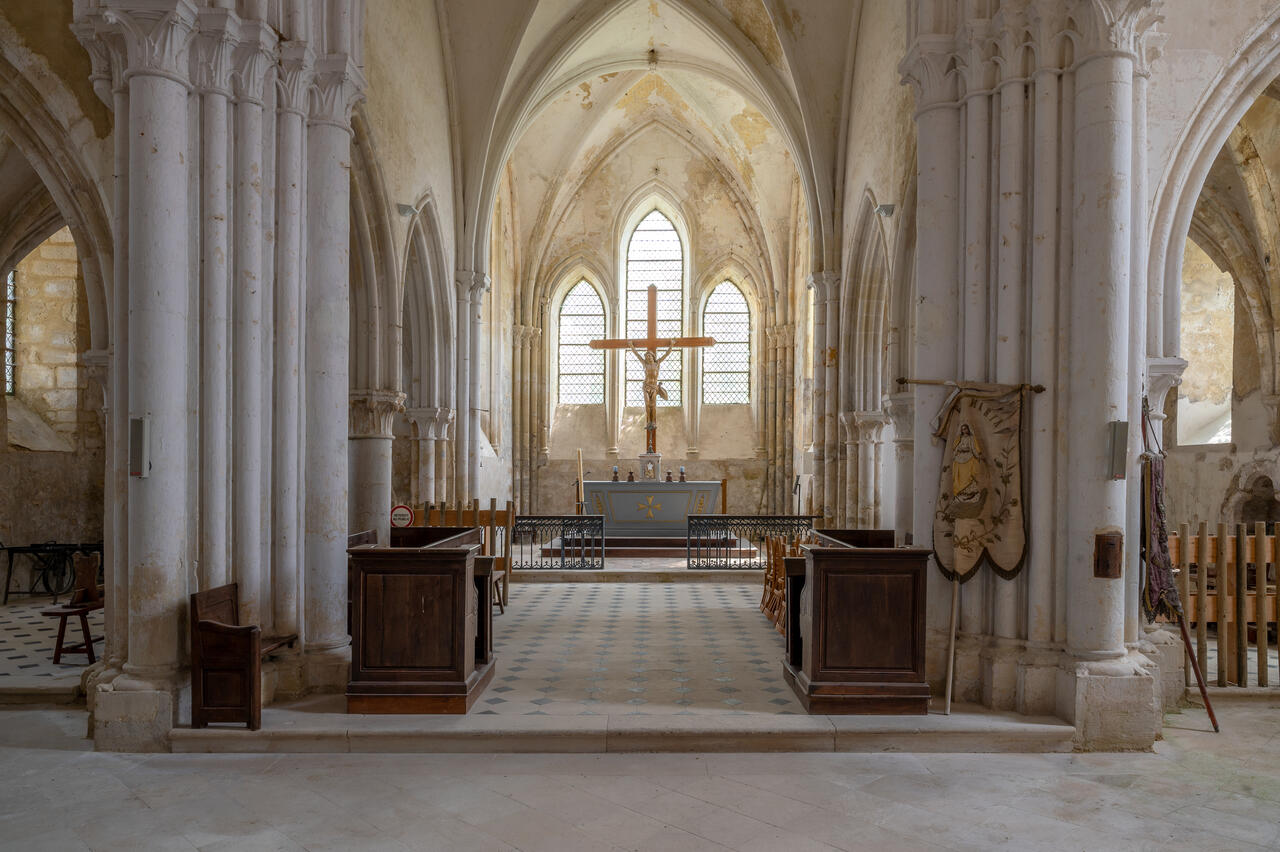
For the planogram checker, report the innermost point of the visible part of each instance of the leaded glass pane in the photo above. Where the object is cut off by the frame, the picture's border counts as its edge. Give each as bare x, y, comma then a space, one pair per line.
726, 367
10, 333
655, 256
581, 368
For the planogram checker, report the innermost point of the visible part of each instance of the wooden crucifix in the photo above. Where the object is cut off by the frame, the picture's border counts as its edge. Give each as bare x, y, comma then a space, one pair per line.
646, 349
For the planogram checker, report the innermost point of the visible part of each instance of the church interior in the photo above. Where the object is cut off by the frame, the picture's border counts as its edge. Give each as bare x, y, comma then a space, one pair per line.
644, 424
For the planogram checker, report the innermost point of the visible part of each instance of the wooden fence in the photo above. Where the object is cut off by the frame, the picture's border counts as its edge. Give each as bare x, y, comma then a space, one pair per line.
1227, 578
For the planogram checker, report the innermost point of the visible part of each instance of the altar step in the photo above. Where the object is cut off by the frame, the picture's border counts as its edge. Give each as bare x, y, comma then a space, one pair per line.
657, 547
318, 724
624, 570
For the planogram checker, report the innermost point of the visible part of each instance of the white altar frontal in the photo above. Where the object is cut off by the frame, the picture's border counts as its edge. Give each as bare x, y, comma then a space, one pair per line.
650, 508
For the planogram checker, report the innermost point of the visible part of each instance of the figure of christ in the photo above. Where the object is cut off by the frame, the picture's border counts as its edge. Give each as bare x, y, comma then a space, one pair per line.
652, 389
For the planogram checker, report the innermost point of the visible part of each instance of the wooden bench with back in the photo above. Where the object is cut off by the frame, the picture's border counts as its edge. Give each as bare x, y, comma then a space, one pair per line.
226, 660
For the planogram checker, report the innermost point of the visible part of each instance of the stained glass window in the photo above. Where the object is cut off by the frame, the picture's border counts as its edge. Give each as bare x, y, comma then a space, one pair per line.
655, 256
581, 367
726, 367
10, 333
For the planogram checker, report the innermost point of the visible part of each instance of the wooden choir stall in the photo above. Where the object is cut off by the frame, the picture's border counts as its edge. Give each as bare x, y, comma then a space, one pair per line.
856, 624
421, 622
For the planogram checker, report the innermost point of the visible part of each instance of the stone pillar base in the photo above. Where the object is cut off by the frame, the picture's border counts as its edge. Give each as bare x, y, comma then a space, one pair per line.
1164, 648
968, 685
135, 716
284, 678
935, 660
1037, 682
1112, 703
99, 674
327, 670
999, 662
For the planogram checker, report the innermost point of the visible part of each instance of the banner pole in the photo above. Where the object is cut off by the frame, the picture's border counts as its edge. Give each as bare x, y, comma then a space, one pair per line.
951, 644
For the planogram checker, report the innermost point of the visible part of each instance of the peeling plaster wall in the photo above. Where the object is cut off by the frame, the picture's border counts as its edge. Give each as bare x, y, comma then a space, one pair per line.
1208, 327
52, 495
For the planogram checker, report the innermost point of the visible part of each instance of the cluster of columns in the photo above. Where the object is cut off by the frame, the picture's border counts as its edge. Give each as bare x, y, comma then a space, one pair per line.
1030, 230
430, 454
229, 336
779, 401
529, 374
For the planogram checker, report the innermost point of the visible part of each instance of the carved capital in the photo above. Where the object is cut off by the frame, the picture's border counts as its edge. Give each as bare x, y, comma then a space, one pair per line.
213, 50
372, 412
825, 286
929, 68
105, 70
1163, 375
255, 58
471, 285
973, 57
870, 425
156, 38
433, 423
295, 77
1114, 26
339, 86
901, 410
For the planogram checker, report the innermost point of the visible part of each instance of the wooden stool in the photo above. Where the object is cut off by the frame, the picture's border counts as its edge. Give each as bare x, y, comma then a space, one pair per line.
62, 613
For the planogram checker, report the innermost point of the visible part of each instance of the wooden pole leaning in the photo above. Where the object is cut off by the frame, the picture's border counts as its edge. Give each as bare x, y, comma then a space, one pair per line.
1240, 642
1262, 557
951, 644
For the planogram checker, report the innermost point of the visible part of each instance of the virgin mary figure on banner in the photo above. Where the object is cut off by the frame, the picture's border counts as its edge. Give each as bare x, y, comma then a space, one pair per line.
979, 515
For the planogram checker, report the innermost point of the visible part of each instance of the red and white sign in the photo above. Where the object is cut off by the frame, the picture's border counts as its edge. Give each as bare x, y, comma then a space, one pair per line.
401, 516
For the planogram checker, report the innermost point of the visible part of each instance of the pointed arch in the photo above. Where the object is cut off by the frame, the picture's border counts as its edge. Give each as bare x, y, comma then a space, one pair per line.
580, 370
726, 367
427, 315
655, 255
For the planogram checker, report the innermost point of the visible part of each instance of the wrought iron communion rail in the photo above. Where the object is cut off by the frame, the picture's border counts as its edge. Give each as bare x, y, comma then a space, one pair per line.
736, 541
557, 543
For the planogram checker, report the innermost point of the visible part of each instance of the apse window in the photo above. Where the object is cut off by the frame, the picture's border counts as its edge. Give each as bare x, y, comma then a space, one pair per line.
581, 368
1208, 343
726, 367
655, 256
11, 334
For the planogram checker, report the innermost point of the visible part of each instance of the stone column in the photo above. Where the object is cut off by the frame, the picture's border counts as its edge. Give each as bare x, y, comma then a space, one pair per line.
817, 291
462, 457
254, 59
479, 286
870, 427
901, 410
849, 517
937, 347
140, 706
327, 353
372, 415
218, 37
293, 85
424, 475
831, 426
1101, 681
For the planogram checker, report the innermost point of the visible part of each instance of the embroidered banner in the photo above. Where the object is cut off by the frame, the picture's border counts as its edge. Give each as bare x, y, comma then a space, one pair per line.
979, 515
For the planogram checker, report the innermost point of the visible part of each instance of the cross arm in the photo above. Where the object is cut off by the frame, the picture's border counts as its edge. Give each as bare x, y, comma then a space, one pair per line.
653, 343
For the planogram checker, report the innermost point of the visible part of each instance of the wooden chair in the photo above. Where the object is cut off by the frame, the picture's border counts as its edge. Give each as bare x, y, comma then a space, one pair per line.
498, 527
86, 596
226, 660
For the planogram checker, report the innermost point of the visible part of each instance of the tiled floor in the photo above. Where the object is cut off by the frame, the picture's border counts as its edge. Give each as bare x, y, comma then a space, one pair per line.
27, 640
1200, 791
636, 649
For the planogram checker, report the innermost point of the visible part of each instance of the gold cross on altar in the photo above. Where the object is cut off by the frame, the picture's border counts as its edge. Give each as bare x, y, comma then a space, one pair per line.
646, 349
649, 506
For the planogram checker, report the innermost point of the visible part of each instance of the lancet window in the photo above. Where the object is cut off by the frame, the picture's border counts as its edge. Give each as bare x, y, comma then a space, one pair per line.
655, 256
726, 367
581, 368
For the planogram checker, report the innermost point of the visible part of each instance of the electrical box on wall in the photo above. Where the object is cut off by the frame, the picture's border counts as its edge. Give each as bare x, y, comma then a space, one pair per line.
140, 446
1117, 448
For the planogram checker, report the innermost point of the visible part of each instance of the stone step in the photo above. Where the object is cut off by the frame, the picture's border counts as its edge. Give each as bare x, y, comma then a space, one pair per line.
310, 726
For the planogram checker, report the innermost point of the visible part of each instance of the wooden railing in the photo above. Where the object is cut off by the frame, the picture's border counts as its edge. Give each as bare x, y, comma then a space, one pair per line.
1227, 578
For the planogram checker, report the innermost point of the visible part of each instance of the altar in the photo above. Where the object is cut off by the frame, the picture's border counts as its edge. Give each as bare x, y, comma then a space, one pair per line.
650, 508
